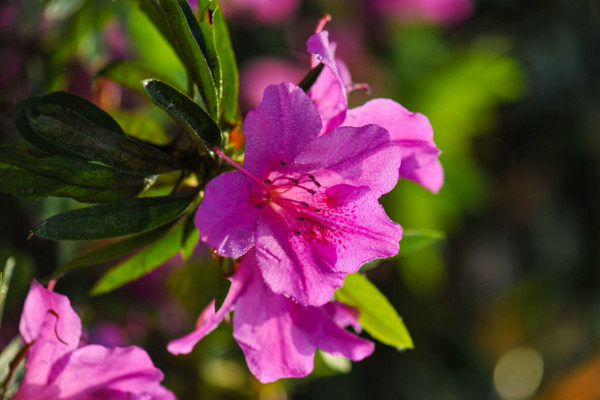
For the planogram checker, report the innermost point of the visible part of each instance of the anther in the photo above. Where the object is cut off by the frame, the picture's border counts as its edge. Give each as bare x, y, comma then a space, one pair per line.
311, 191
304, 204
317, 209
282, 163
268, 181
296, 232
301, 218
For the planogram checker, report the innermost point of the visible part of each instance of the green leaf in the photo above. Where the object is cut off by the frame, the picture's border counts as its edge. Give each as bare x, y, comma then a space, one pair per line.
201, 127
311, 77
417, 239
204, 33
142, 128
33, 174
190, 52
12, 367
5, 277
376, 314
115, 219
230, 113
223, 286
57, 129
109, 251
128, 74
146, 260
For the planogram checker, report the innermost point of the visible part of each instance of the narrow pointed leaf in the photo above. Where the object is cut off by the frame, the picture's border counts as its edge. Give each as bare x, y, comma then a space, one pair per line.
145, 260
5, 277
128, 74
109, 251
115, 219
376, 314
201, 127
33, 174
417, 239
230, 113
61, 130
191, 54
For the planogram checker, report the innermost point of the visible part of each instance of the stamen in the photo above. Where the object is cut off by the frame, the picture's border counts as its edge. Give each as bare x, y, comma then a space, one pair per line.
56, 326
301, 218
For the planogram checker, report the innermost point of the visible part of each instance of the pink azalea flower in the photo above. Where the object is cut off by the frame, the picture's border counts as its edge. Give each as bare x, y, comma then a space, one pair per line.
308, 204
58, 368
411, 131
278, 336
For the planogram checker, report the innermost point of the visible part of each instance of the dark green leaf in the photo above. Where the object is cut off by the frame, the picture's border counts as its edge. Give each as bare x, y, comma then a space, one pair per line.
311, 77
229, 102
60, 130
142, 128
115, 219
376, 314
33, 174
128, 74
147, 259
223, 286
110, 251
417, 239
191, 54
201, 127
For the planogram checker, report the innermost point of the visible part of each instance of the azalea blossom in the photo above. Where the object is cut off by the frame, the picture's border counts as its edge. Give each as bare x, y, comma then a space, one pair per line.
278, 336
411, 131
59, 368
308, 204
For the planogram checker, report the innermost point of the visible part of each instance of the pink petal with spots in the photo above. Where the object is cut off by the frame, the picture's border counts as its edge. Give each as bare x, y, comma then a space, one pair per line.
412, 132
306, 252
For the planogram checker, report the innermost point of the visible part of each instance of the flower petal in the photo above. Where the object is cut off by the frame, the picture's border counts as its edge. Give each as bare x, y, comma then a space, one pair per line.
95, 368
357, 156
278, 128
329, 91
412, 132
226, 218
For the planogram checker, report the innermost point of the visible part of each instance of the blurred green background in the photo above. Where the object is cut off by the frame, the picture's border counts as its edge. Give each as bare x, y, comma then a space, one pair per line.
507, 307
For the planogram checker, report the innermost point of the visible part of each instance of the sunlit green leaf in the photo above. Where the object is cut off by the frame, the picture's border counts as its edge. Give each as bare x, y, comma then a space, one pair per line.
12, 367
155, 14
190, 52
115, 219
201, 127
229, 71
109, 251
376, 314
206, 36
417, 239
147, 259
129, 74
33, 174
71, 131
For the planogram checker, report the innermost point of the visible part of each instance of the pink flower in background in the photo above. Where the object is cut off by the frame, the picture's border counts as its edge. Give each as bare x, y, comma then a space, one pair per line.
308, 204
259, 74
58, 368
278, 336
411, 131
433, 11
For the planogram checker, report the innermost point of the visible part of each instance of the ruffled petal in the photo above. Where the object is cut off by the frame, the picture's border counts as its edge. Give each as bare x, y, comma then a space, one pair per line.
412, 132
